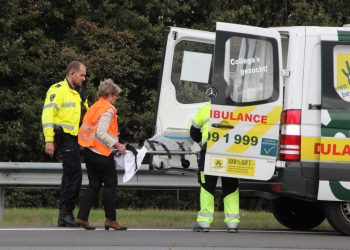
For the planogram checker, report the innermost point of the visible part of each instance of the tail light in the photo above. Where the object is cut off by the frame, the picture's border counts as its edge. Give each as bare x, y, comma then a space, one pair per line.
290, 139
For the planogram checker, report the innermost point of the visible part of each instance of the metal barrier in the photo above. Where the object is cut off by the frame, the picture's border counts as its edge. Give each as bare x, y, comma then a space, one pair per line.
48, 175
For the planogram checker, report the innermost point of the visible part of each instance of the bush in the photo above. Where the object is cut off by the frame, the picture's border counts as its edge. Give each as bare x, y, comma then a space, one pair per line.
128, 199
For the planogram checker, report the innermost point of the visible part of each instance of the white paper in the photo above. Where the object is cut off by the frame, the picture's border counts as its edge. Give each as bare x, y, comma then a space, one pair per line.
195, 67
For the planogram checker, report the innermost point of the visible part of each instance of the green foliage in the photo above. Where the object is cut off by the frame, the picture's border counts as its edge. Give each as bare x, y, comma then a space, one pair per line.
116, 39
128, 199
125, 199
30, 198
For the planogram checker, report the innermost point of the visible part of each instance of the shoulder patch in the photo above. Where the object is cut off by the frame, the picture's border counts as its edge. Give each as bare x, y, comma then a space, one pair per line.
52, 97
58, 85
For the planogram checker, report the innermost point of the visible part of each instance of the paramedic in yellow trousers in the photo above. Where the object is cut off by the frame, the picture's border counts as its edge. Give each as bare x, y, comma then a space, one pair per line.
199, 132
64, 106
98, 135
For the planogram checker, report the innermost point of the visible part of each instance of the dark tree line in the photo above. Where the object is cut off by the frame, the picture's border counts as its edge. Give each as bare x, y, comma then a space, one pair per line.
116, 39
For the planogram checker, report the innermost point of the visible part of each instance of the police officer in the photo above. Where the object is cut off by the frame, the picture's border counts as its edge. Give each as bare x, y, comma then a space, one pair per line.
62, 113
199, 133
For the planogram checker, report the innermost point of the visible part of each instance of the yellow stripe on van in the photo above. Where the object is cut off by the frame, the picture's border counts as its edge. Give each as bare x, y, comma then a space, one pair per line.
328, 149
258, 130
308, 154
221, 131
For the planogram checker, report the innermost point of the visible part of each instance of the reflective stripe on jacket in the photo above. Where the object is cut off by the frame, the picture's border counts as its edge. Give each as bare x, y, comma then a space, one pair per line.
87, 133
62, 107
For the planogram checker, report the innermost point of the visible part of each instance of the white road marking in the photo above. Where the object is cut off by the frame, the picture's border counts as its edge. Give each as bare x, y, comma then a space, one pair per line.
160, 229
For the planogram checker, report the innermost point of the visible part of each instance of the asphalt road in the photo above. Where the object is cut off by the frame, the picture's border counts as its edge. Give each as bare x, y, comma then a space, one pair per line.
57, 238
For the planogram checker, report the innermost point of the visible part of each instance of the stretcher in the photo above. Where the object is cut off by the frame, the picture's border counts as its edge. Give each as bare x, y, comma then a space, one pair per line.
173, 149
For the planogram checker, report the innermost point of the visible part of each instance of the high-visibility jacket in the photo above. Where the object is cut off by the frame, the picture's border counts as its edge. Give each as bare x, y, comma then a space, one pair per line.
201, 121
87, 133
62, 107
208, 183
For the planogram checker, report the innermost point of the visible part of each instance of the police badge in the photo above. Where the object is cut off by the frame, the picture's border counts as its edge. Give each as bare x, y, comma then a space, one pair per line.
52, 97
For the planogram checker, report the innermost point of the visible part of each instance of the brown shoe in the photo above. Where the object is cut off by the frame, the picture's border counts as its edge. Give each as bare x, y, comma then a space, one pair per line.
84, 224
114, 224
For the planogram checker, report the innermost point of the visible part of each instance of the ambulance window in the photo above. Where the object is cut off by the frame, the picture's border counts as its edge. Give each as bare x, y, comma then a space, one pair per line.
335, 75
285, 45
341, 57
191, 71
249, 69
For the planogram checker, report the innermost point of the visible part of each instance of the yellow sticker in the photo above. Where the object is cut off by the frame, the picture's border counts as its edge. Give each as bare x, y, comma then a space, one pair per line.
232, 166
217, 164
239, 166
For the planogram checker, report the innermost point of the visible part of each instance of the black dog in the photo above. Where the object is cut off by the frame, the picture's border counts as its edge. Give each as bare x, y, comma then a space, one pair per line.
132, 133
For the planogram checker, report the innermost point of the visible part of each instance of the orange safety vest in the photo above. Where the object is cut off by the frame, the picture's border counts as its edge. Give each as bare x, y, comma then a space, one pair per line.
87, 132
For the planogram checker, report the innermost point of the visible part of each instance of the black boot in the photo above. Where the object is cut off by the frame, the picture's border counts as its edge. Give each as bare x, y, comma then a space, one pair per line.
66, 217
61, 215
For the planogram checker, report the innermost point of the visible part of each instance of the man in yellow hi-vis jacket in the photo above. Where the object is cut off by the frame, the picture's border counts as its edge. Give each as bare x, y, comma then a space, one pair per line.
199, 133
62, 113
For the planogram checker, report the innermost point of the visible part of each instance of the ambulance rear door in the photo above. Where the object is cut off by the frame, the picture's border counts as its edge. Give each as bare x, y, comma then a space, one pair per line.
246, 102
185, 77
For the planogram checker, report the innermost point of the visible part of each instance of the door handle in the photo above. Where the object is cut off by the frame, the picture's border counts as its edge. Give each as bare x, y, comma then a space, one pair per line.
314, 106
219, 125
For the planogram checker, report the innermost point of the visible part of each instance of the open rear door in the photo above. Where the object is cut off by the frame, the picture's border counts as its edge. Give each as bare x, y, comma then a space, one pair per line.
185, 76
246, 103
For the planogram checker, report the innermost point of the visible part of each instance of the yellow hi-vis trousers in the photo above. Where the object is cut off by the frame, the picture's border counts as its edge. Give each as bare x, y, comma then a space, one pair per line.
231, 200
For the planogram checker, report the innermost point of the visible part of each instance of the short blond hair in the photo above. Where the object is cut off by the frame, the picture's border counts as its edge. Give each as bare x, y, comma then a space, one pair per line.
108, 87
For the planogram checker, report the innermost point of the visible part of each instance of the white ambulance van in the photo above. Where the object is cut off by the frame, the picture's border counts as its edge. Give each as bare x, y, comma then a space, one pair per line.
280, 113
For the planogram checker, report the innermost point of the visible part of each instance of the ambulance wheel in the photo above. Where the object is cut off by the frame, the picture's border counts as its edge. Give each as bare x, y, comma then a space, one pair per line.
297, 214
338, 216
185, 163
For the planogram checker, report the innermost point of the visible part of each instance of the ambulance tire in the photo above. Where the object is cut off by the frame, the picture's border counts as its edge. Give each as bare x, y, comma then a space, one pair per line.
338, 216
297, 214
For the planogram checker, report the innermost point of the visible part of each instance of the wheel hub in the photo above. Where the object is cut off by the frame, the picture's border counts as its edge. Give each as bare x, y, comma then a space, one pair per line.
345, 208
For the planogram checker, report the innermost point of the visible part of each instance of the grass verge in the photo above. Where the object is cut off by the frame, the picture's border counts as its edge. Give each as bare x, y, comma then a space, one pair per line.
148, 218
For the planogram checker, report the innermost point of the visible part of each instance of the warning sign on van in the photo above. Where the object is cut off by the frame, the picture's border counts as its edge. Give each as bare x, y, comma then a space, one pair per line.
232, 165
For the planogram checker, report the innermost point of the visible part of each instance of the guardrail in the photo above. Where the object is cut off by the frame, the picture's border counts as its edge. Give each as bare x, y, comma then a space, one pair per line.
48, 175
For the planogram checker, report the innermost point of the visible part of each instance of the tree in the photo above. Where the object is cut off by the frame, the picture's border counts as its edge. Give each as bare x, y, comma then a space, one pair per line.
118, 39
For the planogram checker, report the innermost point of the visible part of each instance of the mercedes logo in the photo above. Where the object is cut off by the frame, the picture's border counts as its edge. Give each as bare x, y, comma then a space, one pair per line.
211, 92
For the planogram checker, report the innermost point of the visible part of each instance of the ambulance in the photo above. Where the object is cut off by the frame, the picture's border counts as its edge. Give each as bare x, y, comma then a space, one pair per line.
280, 113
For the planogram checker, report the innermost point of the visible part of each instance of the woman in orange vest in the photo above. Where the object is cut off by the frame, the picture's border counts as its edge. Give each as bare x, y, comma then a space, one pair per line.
98, 135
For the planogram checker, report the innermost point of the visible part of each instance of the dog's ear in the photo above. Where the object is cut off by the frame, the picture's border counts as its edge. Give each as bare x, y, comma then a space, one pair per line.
122, 133
121, 126
134, 125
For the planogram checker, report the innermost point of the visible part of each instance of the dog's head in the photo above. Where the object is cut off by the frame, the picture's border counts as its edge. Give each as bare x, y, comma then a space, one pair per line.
132, 133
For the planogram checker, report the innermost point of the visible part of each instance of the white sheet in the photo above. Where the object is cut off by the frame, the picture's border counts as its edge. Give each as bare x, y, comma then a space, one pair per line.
127, 162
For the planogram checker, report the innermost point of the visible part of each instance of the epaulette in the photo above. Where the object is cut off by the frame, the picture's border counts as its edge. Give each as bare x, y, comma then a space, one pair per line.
58, 85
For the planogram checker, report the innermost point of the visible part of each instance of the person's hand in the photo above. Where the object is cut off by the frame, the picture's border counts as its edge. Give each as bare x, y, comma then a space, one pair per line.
120, 147
49, 148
